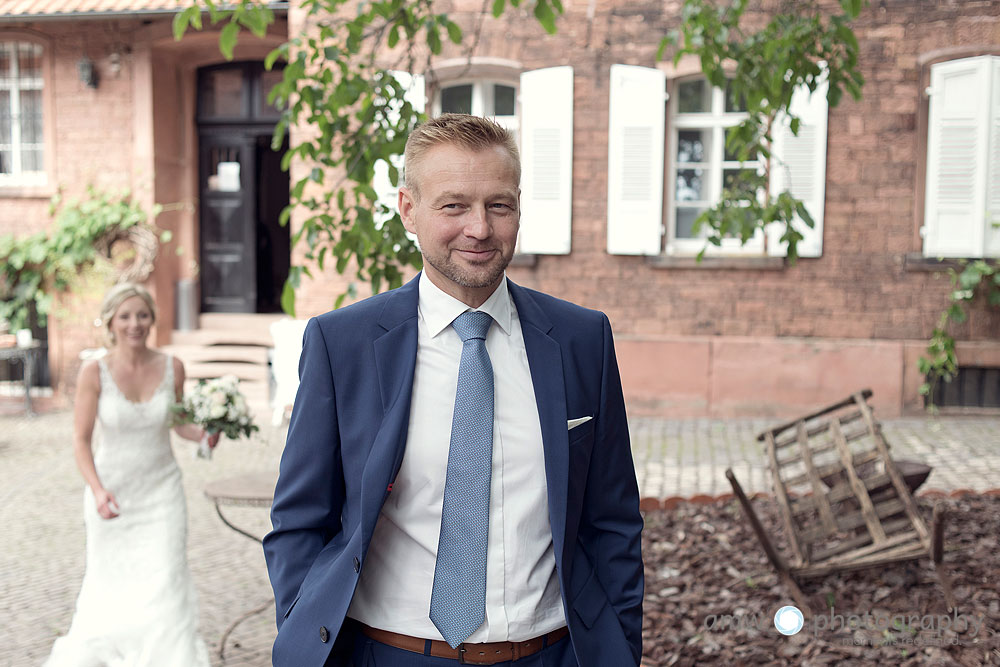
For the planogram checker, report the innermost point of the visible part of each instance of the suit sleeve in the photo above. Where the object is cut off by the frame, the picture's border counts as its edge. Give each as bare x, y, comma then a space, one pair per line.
612, 507
309, 495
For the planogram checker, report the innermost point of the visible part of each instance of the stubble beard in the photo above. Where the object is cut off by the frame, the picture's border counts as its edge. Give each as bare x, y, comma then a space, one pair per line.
482, 276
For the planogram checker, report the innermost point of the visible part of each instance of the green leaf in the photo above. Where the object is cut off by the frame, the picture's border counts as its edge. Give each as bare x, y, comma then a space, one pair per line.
227, 39
288, 298
498, 7
545, 16
433, 40
454, 32
185, 18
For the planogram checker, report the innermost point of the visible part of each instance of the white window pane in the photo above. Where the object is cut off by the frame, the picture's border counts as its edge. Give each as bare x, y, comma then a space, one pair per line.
694, 96
31, 116
734, 103
691, 185
503, 100
31, 159
6, 64
5, 117
685, 221
693, 146
457, 99
29, 57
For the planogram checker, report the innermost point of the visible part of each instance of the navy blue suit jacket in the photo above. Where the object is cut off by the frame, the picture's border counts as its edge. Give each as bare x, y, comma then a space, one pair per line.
345, 444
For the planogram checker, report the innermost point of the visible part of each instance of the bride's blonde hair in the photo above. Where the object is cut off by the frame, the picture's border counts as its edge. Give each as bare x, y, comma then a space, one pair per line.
115, 297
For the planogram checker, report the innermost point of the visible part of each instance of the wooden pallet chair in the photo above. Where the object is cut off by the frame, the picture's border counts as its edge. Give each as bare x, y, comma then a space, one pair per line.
844, 502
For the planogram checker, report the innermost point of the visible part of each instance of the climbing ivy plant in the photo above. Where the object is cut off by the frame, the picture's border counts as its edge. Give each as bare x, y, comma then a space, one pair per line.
34, 268
970, 280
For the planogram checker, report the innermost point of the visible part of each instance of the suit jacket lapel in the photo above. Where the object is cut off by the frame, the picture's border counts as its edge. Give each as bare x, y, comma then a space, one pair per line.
395, 360
545, 363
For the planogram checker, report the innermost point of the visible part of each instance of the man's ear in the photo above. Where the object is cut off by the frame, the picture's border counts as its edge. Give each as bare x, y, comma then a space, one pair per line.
406, 203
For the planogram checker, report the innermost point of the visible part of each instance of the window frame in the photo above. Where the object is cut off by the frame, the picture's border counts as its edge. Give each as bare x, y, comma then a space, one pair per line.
19, 179
483, 98
716, 121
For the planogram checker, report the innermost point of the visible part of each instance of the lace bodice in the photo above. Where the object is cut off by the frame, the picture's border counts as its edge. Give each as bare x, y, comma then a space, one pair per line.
134, 444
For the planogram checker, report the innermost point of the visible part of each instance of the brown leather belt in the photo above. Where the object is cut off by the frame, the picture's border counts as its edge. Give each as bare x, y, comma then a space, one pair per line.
467, 654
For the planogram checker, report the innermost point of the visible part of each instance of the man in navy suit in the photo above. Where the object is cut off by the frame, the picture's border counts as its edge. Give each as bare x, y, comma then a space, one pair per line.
391, 545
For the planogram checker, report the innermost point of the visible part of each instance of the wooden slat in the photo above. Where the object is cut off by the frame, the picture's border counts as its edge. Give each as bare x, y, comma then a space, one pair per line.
890, 468
837, 494
860, 492
851, 436
819, 413
851, 520
911, 552
831, 468
822, 427
819, 489
894, 546
782, 495
823, 553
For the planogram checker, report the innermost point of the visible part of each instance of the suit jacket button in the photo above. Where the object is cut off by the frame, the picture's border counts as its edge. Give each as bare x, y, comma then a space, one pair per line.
357, 564
324, 634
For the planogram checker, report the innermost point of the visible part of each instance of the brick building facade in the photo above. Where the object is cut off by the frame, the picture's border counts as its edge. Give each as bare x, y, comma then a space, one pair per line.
742, 332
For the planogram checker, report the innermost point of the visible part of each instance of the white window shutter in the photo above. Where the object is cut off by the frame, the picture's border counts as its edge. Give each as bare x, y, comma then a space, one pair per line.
957, 151
636, 126
992, 240
798, 165
414, 85
546, 160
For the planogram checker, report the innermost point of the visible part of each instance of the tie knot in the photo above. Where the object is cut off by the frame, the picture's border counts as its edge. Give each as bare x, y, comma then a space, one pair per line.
472, 324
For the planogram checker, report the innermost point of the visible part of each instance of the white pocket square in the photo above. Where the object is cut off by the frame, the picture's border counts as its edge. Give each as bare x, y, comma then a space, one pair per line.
573, 423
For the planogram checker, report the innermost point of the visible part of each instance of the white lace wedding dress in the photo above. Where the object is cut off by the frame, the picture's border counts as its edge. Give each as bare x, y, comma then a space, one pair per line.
137, 606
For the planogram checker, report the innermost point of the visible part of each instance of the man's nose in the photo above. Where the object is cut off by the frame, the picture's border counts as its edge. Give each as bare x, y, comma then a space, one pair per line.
476, 224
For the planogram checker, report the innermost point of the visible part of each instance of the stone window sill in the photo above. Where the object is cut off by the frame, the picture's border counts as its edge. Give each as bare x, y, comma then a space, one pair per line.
718, 263
916, 262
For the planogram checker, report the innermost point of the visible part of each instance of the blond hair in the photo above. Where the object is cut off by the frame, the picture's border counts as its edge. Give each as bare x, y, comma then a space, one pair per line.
471, 132
115, 297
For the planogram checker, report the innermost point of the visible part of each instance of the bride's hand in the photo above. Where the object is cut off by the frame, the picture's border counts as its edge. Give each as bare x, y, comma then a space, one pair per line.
107, 506
213, 440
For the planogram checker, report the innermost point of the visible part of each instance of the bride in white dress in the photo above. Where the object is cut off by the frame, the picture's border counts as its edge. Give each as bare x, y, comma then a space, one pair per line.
137, 605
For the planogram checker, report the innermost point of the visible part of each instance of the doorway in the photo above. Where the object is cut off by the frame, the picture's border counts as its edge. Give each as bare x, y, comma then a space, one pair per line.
245, 253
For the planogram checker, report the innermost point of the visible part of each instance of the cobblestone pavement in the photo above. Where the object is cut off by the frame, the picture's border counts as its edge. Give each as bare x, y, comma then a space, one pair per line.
41, 564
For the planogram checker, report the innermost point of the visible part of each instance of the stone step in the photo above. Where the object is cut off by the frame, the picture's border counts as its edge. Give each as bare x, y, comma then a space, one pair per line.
251, 354
238, 321
243, 371
257, 335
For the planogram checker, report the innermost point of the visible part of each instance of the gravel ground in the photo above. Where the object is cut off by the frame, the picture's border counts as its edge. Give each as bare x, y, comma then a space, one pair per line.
711, 596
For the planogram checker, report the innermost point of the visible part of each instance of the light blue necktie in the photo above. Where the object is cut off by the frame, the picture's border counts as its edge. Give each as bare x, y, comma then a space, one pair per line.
458, 600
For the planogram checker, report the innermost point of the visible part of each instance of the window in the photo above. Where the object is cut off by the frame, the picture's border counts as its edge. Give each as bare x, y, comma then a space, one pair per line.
489, 98
962, 193
21, 141
701, 166
681, 156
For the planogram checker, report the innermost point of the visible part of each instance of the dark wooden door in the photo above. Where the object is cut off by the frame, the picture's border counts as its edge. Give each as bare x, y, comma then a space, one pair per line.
228, 195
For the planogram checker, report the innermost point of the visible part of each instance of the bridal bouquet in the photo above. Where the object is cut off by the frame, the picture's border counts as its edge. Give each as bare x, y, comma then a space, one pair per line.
218, 407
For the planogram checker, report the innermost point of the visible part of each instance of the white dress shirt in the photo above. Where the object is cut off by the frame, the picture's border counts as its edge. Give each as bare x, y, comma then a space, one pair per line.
522, 589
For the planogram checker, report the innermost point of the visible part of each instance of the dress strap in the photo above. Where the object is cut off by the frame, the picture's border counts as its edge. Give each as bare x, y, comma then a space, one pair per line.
168, 373
107, 382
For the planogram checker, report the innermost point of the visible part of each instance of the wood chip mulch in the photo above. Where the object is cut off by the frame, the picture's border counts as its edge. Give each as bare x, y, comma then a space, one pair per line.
711, 595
